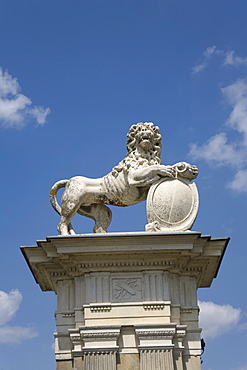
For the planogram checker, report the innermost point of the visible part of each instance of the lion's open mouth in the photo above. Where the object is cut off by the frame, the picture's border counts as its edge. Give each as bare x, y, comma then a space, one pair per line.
145, 139
145, 136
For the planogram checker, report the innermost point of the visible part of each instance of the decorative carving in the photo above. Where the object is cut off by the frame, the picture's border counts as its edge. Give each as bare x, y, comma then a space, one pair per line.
69, 314
155, 306
172, 203
186, 310
127, 263
180, 334
100, 333
100, 308
153, 350
127, 290
57, 273
75, 338
105, 335
155, 334
127, 184
99, 352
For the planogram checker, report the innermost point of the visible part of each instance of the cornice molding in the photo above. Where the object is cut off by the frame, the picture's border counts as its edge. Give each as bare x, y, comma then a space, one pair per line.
68, 257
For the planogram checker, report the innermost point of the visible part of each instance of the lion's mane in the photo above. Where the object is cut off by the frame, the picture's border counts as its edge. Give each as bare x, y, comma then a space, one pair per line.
133, 158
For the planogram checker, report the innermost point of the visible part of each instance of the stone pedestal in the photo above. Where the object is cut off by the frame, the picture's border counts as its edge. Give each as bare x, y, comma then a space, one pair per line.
126, 300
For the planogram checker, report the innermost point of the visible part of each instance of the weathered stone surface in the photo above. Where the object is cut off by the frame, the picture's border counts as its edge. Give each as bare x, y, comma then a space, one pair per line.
130, 361
78, 363
172, 205
127, 184
64, 365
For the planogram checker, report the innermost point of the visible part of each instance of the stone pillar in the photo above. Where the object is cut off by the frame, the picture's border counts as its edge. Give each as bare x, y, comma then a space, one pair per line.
156, 359
126, 300
179, 347
100, 347
156, 347
105, 360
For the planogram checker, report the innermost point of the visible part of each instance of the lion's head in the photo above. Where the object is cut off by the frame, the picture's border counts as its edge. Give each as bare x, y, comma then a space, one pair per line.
144, 133
143, 146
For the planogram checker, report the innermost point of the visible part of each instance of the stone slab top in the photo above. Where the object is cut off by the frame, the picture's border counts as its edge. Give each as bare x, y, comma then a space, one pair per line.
143, 238
129, 233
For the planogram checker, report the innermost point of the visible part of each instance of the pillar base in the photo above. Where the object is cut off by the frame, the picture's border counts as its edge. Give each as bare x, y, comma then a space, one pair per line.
127, 300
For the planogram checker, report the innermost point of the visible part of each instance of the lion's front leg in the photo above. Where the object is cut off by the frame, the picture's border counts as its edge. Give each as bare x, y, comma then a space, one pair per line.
146, 176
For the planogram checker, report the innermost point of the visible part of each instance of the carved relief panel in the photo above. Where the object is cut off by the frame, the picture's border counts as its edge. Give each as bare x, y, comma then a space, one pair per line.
127, 288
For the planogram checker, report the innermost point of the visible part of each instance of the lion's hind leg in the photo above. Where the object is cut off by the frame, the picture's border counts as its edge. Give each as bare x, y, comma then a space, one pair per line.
68, 211
100, 213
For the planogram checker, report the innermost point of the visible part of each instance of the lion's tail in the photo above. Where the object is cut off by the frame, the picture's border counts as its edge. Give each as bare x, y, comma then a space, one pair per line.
53, 199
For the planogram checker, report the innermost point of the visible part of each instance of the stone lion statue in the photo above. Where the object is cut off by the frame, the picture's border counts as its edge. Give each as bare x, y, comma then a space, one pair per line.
127, 184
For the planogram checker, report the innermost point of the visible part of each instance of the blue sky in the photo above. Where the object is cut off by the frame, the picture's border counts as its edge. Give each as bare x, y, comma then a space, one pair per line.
75, 75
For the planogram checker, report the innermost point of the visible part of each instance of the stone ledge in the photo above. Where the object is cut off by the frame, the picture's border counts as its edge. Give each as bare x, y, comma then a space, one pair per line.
67, 257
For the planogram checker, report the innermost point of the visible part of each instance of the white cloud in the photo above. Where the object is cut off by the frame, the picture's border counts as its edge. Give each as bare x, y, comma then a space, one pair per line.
240, 368
8, 84
16, 334
40, 114
229, 59
209, 51
207, 55
15, 108
218, 150
236, 95
243, 326
232, 60
199, 68
239, 183
216, 320
9, 305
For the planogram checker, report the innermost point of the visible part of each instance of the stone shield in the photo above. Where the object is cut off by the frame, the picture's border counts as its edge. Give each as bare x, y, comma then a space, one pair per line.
172, 205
